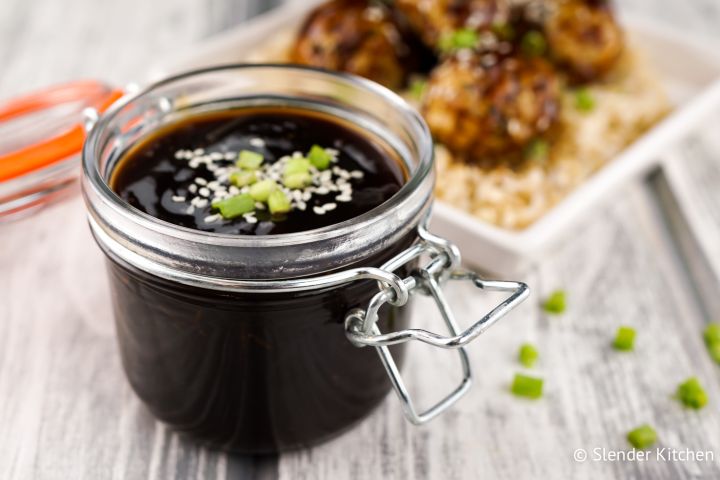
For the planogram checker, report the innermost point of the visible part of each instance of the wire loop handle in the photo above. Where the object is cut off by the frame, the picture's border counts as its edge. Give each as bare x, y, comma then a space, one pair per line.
443, 265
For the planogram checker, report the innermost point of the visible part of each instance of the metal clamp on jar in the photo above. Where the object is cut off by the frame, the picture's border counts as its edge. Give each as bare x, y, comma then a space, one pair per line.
242, 341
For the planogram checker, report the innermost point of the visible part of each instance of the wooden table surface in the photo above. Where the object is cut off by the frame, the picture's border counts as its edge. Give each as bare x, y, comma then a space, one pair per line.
651, 259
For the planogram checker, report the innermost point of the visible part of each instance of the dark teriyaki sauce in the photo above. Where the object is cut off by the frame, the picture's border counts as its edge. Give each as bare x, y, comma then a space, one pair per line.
152, 177
243, 371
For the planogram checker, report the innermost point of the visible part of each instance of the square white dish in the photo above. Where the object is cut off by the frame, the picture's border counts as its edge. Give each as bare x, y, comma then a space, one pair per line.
688, 69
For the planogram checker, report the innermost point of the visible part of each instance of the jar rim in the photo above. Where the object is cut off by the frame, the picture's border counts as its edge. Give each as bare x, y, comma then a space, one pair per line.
424, 167
193, 256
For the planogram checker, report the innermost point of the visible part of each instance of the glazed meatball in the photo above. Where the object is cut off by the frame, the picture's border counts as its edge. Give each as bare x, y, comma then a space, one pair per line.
584, 37
482, 110
433, 19
355, 37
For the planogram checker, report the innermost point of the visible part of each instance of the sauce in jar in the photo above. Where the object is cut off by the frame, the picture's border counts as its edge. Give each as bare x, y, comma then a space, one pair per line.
246, 212
179, 172
225, 367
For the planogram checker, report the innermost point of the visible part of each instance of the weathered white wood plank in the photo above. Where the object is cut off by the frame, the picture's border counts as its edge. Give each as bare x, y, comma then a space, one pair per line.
622, 268
66, 410
619, 270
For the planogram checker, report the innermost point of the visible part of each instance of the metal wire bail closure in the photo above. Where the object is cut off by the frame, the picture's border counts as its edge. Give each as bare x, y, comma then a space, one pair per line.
443, 265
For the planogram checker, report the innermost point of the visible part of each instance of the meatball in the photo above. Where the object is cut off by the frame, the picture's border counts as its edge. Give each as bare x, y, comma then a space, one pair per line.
433, 19
483, 109
354, 37
584, 37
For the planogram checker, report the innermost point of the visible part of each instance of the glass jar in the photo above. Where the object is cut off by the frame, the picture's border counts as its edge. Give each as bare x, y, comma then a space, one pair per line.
254, 343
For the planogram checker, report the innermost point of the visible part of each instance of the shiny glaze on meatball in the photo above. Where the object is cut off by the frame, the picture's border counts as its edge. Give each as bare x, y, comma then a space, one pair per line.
480, 109
432, 19
583, 37
356, 37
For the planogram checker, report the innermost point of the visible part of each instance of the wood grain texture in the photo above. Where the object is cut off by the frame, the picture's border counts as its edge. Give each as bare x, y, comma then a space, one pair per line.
66, 410
624, 267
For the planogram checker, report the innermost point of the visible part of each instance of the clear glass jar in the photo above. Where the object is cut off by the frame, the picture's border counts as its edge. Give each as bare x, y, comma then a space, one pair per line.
242, 341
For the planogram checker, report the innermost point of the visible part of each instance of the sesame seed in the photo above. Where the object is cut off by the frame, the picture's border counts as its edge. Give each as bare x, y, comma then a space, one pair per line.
465, 55
488, 60
211, 218
190, 210
334, 181
373, 14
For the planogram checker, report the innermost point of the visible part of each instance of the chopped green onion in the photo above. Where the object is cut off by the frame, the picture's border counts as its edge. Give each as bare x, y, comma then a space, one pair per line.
692, 394
642, 437
555, 303
533, 44
712, 340
624, 338
527, 355
278, 202
526, 386
462, 38
537, 150
243, 178
503, 30
296, 165
319, 157
712, 333
584, 100
261, 190
235, 206
249, 160
297, 180
417, 88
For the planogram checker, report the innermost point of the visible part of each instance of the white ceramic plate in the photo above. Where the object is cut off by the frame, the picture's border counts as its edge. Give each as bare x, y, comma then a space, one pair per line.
688, 69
